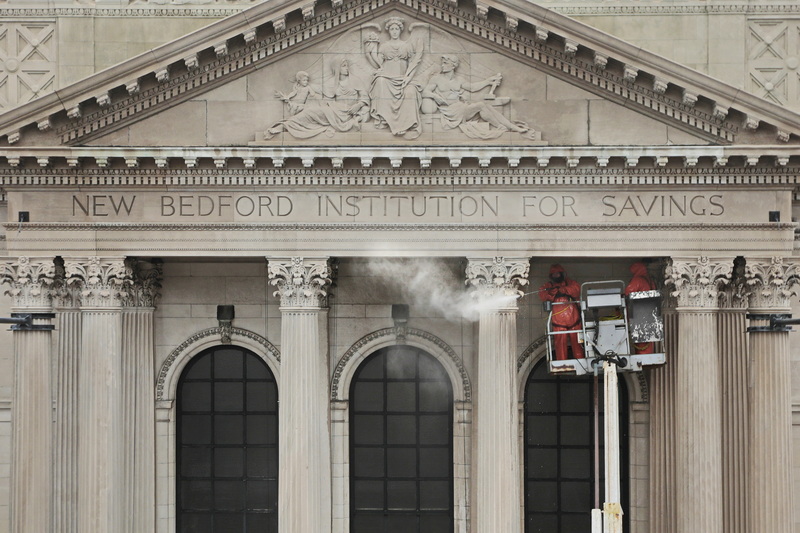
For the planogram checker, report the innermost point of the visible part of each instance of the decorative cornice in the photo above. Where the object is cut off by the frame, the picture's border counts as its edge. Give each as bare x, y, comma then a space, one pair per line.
104, 282
392, 333
200, 335
146, 284
772, 281
129, 11
301, 282
81, 164
304, 226
31, 280
697, 281
497, 281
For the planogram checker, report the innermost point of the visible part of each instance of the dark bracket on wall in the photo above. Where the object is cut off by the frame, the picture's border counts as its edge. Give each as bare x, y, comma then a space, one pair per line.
24, 321
778, 322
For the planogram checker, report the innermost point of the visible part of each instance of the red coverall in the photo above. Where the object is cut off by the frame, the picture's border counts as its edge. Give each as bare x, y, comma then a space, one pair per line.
566, 317
640, 282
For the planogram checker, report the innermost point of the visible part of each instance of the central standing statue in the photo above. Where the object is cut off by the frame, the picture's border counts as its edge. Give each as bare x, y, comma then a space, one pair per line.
395, 98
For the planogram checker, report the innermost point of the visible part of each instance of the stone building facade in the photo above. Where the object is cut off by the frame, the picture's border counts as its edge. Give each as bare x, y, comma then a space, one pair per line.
290, 254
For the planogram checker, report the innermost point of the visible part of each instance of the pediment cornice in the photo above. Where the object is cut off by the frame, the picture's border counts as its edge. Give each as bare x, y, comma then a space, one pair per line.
534, 35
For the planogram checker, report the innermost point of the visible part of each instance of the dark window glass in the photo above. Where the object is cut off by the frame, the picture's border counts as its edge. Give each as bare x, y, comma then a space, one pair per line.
559, 452
401, 446
227, 451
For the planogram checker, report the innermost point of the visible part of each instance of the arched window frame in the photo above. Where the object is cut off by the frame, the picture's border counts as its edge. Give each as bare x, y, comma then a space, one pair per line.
340, 417
166, 408
638, 433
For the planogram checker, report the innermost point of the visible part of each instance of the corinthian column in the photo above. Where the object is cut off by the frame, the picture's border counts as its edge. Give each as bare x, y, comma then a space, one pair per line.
496, 284
698, 425
138, 407
304, 470
772, 281
31, 429
734, 379
104, 284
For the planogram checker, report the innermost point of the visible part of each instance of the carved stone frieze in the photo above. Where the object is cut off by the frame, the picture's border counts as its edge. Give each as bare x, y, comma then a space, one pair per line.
697, 281
31, 280
772, 281
498, 280
103, 282
301, 282
146, 283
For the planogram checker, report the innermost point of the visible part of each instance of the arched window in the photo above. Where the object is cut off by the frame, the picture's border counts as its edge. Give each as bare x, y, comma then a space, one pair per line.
401, 444
559, 451
227, 444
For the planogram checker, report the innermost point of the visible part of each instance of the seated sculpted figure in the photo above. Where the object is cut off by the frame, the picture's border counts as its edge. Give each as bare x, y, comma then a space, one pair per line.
451, 94
344, 107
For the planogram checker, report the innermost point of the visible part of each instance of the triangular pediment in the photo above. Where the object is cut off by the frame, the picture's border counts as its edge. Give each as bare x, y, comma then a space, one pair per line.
300, 74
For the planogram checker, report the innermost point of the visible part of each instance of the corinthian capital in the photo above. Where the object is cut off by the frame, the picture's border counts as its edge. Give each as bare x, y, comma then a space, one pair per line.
146, 283
697, 281
103, 282
30, 279
772, 281
498, 278
301, 282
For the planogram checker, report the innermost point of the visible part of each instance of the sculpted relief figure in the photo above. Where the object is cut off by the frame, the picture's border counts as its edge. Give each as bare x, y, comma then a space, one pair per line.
449, 92
343, 108
395, 97
383, 76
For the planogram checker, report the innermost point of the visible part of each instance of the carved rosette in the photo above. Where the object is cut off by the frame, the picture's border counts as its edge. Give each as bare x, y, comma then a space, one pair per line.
146, 283
31, 281
498, 280
301, 282
103, 282
772, 282
697, 282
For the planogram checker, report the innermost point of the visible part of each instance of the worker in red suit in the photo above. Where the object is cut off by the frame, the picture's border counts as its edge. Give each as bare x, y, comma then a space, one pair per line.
566, 316
640, 281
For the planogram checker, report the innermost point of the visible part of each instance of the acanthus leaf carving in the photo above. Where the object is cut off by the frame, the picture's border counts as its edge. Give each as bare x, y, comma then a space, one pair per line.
145, 283
772, 281
103, 282
697, 281
498, 281
301, 282
31, 280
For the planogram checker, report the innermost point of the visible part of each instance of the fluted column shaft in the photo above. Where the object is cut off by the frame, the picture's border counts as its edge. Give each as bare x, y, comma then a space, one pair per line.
138, 410
32, 476
773, 280
698, 402
698, 425
304, 453
496, 421
734, 377
31, 280
68, 331
104, 285
662, 433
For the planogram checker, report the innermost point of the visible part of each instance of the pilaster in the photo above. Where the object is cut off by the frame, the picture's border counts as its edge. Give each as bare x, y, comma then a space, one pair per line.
696, 283
104, 285
31, 281
772, 281
138, 405
496, 286
734, 382
66, 301
304, 450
